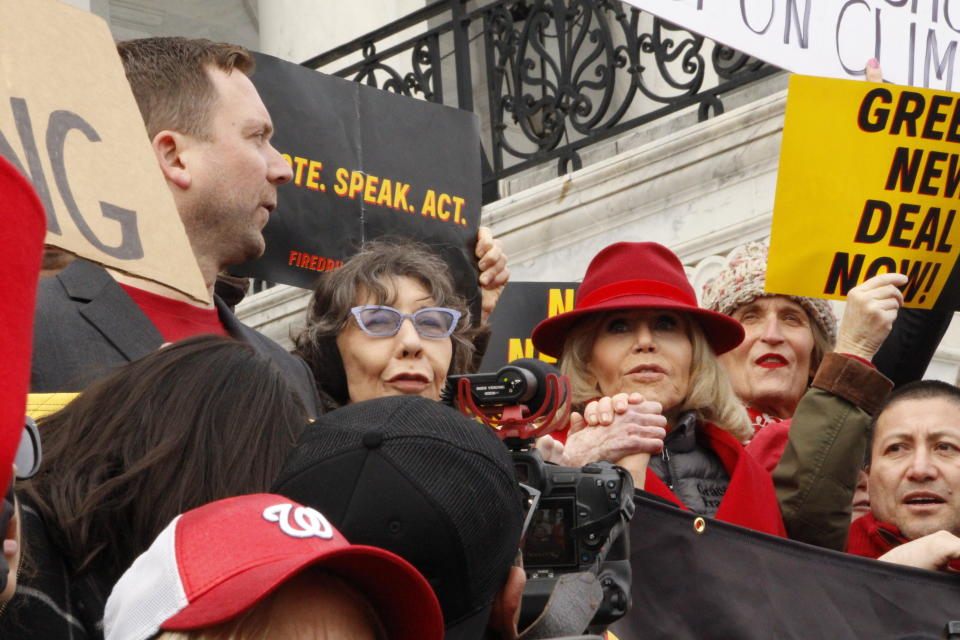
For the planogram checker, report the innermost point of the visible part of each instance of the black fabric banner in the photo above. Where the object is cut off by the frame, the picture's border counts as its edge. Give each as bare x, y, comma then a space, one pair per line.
728, 582
366, 163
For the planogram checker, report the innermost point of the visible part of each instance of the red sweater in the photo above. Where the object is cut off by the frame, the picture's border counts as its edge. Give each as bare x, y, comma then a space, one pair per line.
174, 319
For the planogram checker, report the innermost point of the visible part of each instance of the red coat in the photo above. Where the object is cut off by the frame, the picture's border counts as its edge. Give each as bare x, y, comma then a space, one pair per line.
750, 500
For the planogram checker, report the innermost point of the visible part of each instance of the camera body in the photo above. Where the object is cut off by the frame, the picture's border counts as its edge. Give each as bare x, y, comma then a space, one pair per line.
576, 527
579, 523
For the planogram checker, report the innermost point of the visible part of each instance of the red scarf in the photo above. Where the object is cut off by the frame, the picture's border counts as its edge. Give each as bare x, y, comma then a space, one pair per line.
759, 419
871, 539
750, 500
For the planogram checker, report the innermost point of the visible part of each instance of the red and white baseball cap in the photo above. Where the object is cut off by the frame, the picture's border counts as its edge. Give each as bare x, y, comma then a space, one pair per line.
219, 560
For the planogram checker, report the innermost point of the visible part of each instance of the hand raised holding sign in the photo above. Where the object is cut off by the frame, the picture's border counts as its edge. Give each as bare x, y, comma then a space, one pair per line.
494, 273
871, 309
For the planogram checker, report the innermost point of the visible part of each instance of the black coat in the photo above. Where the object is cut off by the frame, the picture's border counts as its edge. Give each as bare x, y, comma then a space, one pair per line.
51, 602
86, 325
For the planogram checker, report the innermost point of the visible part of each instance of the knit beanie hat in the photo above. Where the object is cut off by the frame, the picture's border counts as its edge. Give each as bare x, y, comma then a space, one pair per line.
742, 282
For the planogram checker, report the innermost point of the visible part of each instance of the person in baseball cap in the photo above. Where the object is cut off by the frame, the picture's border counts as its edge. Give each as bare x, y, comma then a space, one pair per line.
261, 565
413, 476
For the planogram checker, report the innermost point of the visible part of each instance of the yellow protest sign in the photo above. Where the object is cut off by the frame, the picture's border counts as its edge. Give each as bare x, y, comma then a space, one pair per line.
70, 125
40, 405
869, 182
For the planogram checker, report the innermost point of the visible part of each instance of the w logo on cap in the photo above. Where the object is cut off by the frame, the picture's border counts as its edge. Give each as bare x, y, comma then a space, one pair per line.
307, 522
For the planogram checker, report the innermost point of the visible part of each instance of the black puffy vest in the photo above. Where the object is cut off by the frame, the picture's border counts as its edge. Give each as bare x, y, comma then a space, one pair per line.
690, 469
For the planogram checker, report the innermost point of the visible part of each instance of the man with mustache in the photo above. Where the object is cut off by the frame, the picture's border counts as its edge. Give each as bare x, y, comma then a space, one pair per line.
914, 480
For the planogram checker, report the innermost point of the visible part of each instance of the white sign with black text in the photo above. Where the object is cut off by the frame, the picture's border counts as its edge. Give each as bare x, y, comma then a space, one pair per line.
915, 41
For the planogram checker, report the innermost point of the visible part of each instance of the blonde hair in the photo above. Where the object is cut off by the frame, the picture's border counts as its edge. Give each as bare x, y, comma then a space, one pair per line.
294, 596
710, 393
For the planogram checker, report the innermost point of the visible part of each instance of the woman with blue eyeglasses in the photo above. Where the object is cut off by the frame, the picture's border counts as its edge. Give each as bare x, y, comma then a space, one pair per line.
389, 322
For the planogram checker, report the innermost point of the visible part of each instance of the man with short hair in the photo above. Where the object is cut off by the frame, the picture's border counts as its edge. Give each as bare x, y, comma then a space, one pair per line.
210, 132
914, 479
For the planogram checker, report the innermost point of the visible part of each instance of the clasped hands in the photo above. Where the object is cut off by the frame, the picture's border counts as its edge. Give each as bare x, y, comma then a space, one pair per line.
624, 429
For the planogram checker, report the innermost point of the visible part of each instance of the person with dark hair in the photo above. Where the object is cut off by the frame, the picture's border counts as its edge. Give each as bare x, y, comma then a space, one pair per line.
199, 420
422, 480
210, 133
357, 339
914, 479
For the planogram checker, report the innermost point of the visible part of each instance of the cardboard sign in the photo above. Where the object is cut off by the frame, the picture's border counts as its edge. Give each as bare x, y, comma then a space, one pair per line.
69, 123
868, 183
521, 307
366, 163
916, 41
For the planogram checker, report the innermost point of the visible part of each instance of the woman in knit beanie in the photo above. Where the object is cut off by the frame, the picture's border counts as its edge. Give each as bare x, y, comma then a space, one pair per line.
786, 336
793, 350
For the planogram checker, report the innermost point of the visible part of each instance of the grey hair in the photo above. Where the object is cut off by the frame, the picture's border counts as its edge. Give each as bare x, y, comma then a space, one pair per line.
370, 272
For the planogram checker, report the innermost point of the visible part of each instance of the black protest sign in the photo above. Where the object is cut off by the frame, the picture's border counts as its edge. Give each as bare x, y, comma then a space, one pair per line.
366, 163
521, 307
717, 580
70, 125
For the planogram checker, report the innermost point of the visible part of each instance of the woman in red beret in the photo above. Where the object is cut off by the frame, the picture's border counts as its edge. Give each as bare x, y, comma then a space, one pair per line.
638, 339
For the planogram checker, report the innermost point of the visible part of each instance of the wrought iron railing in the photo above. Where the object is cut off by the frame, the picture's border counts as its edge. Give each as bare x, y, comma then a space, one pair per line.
553, 76
558, 75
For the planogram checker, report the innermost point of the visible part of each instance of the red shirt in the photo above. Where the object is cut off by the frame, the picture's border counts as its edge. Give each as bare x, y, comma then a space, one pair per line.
769, 442
175, 319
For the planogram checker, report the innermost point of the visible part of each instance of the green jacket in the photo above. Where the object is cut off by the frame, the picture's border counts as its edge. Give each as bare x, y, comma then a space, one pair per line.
817, 474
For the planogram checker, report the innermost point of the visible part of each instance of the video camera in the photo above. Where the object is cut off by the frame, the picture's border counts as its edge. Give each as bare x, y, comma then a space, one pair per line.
579, 522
